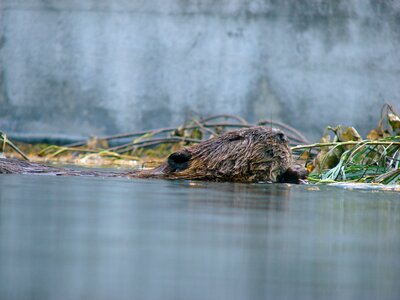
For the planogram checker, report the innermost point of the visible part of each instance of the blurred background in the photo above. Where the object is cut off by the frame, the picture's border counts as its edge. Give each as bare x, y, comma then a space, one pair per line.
74, 68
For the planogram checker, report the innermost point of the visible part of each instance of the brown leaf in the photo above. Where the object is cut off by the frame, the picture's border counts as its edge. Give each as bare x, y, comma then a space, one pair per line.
327, 158
95, 143
394, 121
350, 134
373, 135
304, 156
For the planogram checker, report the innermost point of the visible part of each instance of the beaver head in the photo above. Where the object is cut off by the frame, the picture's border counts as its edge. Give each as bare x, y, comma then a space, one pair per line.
246, 155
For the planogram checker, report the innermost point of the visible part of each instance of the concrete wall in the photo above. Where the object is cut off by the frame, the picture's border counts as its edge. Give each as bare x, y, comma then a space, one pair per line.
80, 67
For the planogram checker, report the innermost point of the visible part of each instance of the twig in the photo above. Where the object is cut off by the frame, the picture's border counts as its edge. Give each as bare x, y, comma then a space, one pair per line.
303, 139
158, 131
226, 116
212, 132
151, 142
319, 145
59, 149
170, 129
3, 136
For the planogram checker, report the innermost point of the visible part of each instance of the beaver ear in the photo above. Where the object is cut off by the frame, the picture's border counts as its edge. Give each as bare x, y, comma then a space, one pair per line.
235, 137
179, 161
281, 137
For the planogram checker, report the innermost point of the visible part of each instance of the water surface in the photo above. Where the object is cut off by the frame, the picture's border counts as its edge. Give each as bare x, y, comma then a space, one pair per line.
96, 238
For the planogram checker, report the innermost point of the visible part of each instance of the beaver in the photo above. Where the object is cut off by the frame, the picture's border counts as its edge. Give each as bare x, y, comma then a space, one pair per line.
255, 154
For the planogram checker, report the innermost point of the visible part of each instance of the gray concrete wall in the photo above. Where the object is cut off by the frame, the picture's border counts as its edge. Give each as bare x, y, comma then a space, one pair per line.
80, 67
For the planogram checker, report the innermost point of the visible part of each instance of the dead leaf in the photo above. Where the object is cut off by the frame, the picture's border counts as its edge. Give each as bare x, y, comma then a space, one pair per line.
304, 156
394, 121
350, 134
327, 158
373, 135
96, 143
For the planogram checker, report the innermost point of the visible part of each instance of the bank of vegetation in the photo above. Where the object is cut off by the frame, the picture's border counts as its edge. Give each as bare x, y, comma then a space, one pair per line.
342, 155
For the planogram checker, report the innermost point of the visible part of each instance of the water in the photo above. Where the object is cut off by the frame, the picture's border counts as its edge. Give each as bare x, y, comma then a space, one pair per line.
95, 238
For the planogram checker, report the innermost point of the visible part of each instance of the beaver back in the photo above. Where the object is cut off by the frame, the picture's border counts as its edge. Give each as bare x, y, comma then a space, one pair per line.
246, 155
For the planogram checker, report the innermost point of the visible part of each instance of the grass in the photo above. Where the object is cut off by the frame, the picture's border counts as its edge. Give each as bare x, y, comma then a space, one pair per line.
366, 161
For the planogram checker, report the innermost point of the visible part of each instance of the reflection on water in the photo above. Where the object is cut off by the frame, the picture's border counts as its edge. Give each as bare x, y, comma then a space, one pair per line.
94, 238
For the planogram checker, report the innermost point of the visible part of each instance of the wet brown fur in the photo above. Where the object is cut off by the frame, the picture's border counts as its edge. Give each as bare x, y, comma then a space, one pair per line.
256, 154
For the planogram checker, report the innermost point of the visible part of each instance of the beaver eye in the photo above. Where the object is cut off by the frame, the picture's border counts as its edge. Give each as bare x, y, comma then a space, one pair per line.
270, 153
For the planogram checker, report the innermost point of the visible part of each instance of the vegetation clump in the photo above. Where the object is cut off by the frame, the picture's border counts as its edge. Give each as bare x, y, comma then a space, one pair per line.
349, 158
